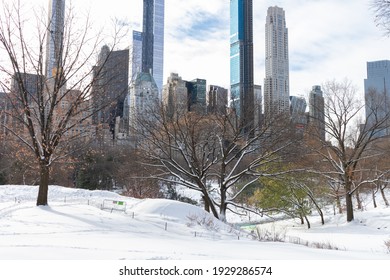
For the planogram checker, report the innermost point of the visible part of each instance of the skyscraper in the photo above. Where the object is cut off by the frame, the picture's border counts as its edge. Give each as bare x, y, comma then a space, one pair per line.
110, 87
158, 49
197, 96
377, 95
317, 111
153, 40
258, 105
148, 37
175, 96
217, 100
54, 45
241, 61
142, 97
135, 55
276, 83
298, 111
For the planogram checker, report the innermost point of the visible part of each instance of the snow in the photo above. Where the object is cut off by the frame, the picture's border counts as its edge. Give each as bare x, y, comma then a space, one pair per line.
74, 227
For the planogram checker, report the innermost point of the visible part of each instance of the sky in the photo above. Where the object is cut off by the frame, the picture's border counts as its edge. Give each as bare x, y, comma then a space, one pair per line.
328, 39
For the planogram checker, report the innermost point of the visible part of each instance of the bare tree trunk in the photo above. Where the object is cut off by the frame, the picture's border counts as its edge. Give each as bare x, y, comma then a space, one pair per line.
338, 203
223, 206
373, 198
307, 221
311, 196
358, 200
211, 205
206, 204
384, 196
321, 215
302, 220
44, 170
349, 204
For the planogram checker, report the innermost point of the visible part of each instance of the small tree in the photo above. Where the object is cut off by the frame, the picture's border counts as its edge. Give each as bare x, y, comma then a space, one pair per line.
46, 103
294, 194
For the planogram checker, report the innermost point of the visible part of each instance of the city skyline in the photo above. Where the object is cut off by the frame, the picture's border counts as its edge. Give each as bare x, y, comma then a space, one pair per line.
328, 39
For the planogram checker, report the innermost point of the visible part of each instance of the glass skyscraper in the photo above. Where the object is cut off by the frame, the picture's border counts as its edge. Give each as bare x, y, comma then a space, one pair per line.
158, 50
153, 40
135, 55
276, 83
377, 95
54, 45
241, 61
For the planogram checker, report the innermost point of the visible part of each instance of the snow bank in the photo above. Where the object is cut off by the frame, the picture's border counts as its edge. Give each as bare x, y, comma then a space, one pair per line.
74, 228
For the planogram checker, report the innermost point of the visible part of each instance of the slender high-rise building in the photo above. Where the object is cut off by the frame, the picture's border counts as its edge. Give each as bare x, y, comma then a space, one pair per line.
54, 45
148, 37
241, 61
276, 83
135, 55
317, 111
377, 96
298, 111
158, 49
153, 40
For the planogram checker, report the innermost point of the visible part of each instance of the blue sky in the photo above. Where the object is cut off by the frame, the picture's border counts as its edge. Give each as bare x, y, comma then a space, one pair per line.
328, 39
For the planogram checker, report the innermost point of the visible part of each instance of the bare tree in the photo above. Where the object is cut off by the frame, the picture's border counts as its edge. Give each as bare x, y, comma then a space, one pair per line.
382, 14
350, 140
48, 87
210, 154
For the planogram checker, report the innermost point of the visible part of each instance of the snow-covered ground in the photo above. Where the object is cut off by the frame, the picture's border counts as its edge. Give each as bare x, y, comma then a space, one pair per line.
75, 227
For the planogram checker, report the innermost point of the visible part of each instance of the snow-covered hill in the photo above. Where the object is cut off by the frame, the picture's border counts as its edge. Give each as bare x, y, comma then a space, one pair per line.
75, 227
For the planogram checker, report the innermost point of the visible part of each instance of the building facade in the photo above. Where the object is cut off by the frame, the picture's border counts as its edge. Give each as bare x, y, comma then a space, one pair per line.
298, 112
197, 96
153, 39
158, 49
377, 96
175, 96
317, 111
258, 118
142, 98
217, 100
135, 55
241, 61
54, 44
148, 36
276, 82
110, 87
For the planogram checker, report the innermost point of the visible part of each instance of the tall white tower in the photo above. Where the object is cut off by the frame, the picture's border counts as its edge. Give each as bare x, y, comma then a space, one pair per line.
276, 82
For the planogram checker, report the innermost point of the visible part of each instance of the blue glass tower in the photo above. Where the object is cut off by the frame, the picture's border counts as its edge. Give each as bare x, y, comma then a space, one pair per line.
158, 49
153, 40
148, 37
241, 61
